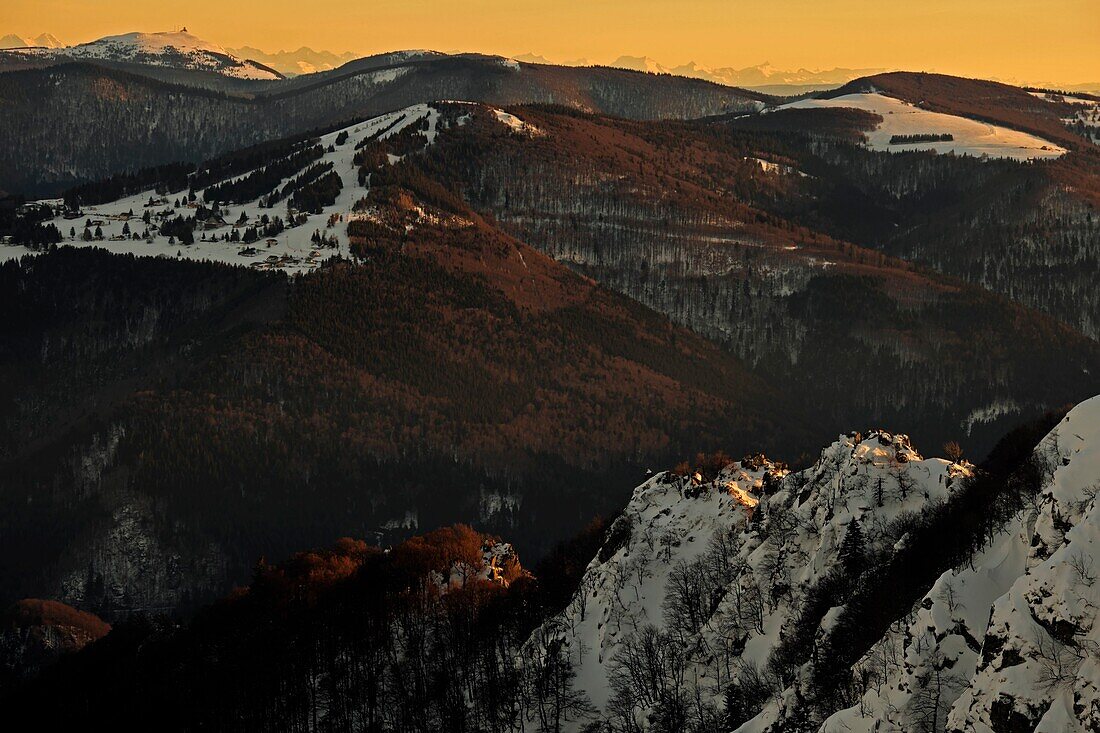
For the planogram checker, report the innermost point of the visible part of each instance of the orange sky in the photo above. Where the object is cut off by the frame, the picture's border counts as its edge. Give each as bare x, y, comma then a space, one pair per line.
1024, 40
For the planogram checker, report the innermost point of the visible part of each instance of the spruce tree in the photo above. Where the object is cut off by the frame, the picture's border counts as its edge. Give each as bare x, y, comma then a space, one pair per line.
853, 553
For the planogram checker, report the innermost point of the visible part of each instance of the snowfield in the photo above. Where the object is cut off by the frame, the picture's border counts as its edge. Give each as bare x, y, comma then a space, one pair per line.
292, 250
970, 136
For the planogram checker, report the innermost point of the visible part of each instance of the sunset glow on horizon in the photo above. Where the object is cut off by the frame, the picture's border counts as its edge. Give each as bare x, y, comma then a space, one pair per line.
1012, 40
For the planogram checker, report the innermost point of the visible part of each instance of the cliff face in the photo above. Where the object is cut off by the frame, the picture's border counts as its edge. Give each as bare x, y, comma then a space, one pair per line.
1007, 642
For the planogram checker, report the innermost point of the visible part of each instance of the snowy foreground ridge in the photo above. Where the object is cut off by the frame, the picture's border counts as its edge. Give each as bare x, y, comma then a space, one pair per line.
703, 578
1010, 642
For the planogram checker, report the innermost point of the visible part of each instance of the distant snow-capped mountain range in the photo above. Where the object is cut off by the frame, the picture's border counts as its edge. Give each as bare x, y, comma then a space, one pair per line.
293, 63
181, 49
43, 40
751, 76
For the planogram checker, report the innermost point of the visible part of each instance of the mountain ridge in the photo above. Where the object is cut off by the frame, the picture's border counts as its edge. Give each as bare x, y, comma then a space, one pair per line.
177, 49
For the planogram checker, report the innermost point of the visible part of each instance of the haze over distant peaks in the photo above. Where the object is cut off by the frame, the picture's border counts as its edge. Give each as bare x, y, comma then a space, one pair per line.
42, 40
759, 76
292, 63
751, 76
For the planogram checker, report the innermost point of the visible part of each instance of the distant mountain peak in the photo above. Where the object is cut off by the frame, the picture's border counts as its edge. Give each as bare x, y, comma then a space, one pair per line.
640, 63
304, 60
765, 73
42, 40
180, 49
47, 40
532, 58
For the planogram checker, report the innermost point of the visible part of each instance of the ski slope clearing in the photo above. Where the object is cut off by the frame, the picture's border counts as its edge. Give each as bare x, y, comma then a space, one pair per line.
300, 247
969, 137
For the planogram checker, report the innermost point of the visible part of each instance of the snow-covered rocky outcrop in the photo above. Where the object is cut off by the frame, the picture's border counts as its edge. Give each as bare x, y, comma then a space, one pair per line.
702, 577
498, 563
704, 607
178, 49
1009, 641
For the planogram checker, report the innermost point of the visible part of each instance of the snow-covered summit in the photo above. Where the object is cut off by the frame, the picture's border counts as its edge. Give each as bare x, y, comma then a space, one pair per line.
179, 49
704, 574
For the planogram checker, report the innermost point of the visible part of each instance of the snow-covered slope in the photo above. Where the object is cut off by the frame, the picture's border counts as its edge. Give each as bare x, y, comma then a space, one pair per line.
705, 577
294, 249
969, 137
1009, 641
702, 585
176, 49
1040, 664
1086, 112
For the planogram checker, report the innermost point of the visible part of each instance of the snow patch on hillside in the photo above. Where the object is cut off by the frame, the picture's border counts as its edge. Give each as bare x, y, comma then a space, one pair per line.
516, 124
970, 137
